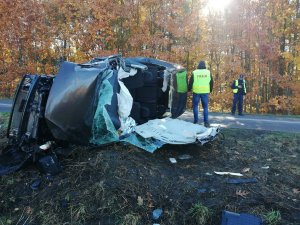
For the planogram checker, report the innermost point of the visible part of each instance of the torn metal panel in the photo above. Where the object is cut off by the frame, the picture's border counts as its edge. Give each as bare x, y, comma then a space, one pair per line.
73, 101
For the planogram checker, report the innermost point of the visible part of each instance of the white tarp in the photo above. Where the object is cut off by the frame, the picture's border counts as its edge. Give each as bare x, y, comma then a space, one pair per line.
175, 131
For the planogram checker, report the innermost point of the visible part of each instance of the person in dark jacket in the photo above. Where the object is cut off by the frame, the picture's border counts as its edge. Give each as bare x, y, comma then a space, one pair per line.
239, 91
201, 83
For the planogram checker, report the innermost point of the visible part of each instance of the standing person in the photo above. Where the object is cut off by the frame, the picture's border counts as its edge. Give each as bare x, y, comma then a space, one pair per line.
239, 91
201, 83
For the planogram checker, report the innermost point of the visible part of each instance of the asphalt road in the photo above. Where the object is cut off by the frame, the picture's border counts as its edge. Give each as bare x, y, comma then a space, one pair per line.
5, 105
257, 122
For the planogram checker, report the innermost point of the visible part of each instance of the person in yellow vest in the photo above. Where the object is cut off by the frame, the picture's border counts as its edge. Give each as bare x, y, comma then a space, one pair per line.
239, 91
201, 83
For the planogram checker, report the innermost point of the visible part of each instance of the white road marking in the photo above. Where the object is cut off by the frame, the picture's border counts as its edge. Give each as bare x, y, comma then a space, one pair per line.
5, 104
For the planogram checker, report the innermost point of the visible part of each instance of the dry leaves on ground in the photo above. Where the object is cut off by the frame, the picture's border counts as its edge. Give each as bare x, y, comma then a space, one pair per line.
242, 193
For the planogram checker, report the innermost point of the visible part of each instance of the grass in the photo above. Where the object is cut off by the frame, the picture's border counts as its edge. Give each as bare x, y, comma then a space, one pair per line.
122, 185
130, 219
200, 214
272, 218
4, 117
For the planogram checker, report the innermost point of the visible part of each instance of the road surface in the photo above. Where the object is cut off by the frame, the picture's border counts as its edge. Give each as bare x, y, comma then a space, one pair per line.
5, 105
258, 122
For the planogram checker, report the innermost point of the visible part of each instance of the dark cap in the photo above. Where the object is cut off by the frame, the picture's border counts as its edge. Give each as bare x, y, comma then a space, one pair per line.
201, 65
241, 76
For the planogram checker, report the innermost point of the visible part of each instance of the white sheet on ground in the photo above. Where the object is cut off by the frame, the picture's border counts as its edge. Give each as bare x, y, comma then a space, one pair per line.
175, 131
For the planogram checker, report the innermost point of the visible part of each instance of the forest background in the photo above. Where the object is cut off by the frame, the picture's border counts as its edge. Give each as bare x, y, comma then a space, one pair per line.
259, 38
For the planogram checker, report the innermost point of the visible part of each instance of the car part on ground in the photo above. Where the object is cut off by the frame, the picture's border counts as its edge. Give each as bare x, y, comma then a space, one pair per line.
106, 100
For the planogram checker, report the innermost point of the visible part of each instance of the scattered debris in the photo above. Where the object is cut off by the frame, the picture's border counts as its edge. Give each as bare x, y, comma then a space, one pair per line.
229, 173
156, 213
296, 191
212, 190
49, 164
245, 170
46, 146
185, 156
122, 101
36, 184
265, 167
231, 218
173, 160
242, 181
201, 190
140, 201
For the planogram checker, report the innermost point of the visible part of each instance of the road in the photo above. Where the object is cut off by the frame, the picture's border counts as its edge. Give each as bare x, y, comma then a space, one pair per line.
257, 122
5, 105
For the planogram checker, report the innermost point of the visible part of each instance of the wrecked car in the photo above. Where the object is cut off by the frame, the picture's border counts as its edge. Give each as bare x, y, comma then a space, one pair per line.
108, 99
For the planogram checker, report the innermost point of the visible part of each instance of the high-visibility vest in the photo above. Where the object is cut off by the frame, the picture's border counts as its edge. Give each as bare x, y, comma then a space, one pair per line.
202, 80
236, 84
181, 79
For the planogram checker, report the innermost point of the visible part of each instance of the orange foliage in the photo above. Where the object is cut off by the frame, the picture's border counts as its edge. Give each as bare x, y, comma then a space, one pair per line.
257, 38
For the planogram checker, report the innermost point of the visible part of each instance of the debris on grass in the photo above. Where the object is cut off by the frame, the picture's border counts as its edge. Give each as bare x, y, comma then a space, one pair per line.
140, 201
246, 170
231, 218
184, 157
242, 181
201, 190
157, 213
296, 191
265, 167
208, 174
229, 173
36, 184
173, 160
108, 185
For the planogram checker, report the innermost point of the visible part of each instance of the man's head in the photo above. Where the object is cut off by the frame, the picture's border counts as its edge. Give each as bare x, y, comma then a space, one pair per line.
241, 77
201, 65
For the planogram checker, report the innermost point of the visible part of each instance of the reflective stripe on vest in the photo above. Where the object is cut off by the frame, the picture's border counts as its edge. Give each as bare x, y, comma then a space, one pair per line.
201, 83
181, 81
236, 89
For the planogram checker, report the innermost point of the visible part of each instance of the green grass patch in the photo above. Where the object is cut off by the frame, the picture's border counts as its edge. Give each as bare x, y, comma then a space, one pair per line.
199, 214
272, 218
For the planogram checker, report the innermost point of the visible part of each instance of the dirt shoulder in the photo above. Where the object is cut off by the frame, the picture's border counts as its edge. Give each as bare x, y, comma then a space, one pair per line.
120, 184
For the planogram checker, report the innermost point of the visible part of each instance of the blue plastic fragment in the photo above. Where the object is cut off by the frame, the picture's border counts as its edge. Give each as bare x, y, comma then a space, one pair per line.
242, 180
156, 213
36, 184
201, 190
231, 218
